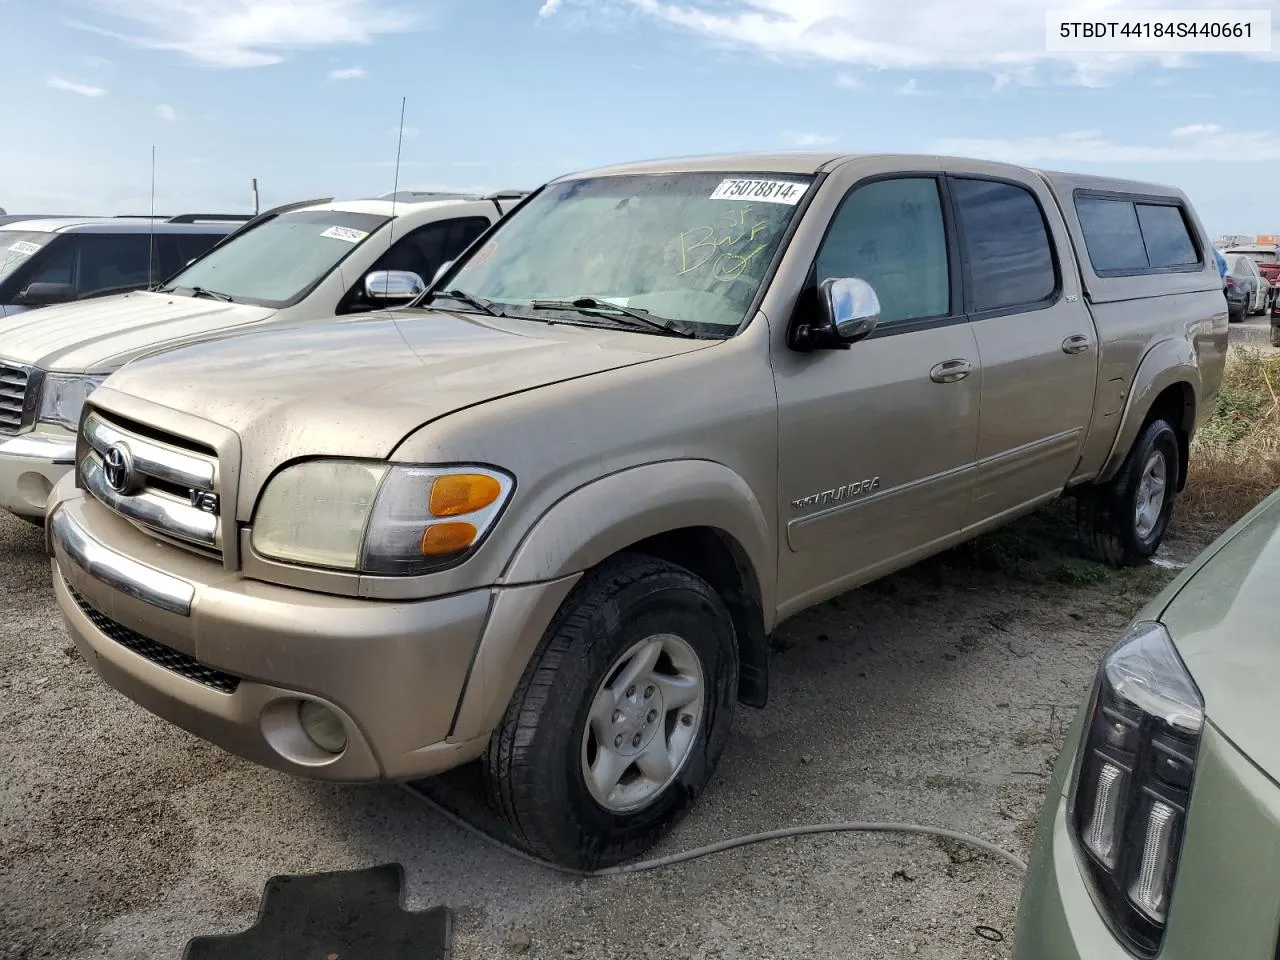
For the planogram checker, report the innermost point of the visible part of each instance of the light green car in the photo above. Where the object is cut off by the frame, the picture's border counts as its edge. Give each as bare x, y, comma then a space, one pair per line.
1161, 831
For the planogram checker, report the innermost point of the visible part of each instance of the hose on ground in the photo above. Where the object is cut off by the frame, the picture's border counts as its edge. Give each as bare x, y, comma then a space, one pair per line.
720, 847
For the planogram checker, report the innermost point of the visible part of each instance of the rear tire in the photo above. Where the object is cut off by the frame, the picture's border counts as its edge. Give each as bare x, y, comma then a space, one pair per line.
1275, 335
620, 717
1125, 520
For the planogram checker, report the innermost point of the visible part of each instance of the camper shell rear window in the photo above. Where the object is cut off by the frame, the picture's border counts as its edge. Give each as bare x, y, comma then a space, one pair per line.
1129, 236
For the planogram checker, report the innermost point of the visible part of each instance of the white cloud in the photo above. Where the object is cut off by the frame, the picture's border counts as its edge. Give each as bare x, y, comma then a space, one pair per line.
409, 132
1197, 130
1002, 37
549, 8
801, 140
349, 73
70, 86
911, 88
848, 81
248, 33
1084, 147
166, 113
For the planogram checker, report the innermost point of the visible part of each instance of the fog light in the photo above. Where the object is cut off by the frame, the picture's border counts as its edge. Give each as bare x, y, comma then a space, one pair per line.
323, 726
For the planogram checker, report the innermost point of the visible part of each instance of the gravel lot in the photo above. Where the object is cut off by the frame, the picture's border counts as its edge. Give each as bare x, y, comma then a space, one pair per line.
939, 695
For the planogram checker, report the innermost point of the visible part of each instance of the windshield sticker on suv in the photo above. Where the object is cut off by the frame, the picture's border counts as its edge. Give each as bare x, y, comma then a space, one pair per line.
349, 234
768, 191
25, 248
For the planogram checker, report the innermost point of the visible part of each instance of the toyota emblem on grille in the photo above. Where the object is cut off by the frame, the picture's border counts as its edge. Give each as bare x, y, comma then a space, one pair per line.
117, 468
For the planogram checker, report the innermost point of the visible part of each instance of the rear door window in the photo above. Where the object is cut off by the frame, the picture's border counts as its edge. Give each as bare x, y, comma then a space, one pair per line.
1006, 245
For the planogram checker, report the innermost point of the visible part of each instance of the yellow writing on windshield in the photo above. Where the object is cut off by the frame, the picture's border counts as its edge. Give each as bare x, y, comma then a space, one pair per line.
728, 248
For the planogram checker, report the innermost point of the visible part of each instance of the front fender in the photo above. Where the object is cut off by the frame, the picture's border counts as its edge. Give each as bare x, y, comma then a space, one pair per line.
612, 513
1167, 363
587, 526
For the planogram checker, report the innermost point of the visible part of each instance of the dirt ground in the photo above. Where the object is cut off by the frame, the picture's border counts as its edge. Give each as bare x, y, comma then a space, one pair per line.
939, 695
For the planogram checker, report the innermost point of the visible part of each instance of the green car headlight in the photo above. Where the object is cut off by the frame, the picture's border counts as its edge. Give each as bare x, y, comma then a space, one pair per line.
1133, 781
374, 517
62, 396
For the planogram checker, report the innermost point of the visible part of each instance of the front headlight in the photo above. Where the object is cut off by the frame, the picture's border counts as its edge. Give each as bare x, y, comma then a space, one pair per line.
63, 395
1133, 780
378, 518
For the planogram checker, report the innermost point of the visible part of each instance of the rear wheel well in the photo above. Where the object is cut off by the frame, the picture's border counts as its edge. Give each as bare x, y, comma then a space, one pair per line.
719, 559
1176, 403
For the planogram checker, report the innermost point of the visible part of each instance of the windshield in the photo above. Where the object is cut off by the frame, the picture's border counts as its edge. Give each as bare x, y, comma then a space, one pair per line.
688, 247
17, 247
282, 260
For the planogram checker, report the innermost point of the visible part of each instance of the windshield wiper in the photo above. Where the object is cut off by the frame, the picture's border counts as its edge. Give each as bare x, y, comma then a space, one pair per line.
199, 292
672, 328
481, 304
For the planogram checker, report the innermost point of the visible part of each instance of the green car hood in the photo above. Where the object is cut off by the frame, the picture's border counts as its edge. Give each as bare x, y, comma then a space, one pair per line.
1225, 621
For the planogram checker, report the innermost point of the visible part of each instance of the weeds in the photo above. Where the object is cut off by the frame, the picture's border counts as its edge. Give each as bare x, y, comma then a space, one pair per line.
1235, 459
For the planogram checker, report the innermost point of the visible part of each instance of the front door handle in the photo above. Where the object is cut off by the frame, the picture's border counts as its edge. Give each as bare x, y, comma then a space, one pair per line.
1077, 343
949, 371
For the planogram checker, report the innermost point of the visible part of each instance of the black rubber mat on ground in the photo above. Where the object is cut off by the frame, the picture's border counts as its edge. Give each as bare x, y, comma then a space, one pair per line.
354, 915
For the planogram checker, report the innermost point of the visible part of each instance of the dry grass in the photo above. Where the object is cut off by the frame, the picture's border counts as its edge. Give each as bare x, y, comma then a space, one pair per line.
1235, 459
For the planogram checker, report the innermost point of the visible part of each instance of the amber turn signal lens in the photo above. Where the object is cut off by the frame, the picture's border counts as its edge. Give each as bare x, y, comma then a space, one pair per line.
445, 538
459, 493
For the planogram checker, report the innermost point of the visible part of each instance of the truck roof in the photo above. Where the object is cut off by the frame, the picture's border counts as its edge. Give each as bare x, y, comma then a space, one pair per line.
816, 162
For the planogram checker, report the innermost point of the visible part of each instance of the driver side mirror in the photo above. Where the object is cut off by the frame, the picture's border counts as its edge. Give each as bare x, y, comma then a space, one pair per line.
393, 285
848, 311
43, 294
444, 268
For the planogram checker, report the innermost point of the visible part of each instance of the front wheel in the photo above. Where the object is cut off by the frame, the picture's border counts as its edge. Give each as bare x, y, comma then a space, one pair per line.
1275, 335
621, 715
1126, 520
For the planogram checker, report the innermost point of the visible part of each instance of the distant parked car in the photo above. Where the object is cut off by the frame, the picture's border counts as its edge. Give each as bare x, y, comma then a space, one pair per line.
1247, 290
47, 260
1161, 831
1265, 256
304, 261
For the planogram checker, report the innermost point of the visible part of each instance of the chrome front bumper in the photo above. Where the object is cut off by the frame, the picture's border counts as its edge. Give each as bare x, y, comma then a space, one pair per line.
125, 574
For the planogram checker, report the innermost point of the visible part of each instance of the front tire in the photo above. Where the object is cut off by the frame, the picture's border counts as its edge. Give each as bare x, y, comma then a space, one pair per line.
620, 717
1126, 520
1275, 335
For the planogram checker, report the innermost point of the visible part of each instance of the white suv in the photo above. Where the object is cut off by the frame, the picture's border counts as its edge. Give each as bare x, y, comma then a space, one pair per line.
301, 262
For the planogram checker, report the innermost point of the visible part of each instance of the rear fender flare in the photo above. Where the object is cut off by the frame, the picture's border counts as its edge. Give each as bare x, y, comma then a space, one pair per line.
1168, 363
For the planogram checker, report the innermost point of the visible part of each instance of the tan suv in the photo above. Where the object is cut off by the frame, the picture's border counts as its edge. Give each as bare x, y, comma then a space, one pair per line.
551, 516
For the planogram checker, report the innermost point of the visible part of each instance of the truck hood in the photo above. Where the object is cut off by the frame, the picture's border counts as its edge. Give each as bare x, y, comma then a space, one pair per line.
358, 386
96, 336
1224, 624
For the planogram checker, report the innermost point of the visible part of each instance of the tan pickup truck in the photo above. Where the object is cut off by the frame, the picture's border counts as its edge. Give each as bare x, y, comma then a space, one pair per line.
550, 515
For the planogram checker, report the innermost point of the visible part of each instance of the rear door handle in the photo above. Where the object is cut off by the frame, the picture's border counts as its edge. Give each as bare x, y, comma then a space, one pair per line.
949, 371
1077, 343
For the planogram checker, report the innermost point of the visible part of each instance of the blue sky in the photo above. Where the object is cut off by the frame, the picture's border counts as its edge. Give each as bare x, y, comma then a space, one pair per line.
305, 95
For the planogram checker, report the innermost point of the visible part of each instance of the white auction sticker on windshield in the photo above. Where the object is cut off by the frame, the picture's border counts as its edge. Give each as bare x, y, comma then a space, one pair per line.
349, 234
25, 248
768, 191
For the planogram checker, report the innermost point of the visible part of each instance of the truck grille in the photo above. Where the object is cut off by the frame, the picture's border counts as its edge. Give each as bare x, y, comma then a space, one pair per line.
13, 396
157, 653
165, 484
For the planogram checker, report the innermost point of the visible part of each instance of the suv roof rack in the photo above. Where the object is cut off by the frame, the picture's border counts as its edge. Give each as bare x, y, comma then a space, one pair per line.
422, 196
189, 217
506, 195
